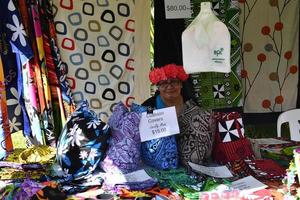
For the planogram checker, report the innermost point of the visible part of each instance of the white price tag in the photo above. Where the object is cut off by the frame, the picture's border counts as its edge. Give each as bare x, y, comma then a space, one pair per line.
217, 171
136, 176
176, 9
161, 123
248, 185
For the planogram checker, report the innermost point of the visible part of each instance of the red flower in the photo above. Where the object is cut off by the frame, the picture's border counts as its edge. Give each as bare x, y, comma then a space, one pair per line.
166, 72
244, 73
279, 99
265, 30
156, 75
261, 57
266, 103
242, 1
170, 70
293, 69
181, 74
278, 26
288, 55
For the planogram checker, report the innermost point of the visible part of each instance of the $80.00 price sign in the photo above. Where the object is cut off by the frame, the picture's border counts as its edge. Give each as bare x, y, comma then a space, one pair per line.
176, 9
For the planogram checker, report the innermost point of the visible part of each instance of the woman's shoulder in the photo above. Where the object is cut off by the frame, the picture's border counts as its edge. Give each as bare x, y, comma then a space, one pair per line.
191, 105
150, 102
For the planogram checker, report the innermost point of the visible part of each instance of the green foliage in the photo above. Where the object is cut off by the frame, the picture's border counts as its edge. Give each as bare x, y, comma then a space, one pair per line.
265, 130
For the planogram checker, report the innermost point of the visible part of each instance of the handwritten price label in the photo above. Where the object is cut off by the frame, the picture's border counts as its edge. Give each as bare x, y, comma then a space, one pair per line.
161, 123
159, 130
176, 9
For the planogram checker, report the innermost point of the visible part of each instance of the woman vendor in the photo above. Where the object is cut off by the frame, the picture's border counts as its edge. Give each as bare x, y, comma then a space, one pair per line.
195, 140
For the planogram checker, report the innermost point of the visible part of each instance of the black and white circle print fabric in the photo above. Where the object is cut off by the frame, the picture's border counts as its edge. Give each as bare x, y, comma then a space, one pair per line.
96, 40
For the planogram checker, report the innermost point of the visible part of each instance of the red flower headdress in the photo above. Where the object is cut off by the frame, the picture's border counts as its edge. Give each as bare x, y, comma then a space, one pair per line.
166, 72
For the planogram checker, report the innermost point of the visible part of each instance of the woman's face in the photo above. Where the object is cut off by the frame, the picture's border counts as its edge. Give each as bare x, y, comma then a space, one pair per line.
170, 89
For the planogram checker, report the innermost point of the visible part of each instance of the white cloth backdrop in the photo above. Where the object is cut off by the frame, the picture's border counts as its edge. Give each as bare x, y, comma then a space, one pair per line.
142, 51
270, 54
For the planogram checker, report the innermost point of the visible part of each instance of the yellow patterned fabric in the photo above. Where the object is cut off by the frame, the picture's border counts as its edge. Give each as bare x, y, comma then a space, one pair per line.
12, 174
35, 154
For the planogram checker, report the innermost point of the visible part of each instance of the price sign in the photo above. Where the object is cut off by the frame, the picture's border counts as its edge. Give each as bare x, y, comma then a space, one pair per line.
161, 123
120, 178
176, 9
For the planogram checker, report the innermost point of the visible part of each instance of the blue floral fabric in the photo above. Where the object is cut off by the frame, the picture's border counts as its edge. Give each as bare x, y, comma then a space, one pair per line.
83, 143
159, 153
15, 49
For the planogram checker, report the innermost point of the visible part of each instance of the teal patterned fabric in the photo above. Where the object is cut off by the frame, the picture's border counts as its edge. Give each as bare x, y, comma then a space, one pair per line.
159, 153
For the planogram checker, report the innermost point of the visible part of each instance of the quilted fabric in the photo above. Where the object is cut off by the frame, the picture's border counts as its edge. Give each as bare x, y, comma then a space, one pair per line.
159, 153
123, 154
83, 143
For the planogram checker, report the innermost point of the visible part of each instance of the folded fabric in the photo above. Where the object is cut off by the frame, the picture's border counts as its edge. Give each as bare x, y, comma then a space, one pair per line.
162, 193
195, 140
123, 155
231, 151
239, 168
19, 174
15, 165
49, 191
124, 193
38, 154
160, 153
266, 169
230, 141
82, 143
171, 177
135, 185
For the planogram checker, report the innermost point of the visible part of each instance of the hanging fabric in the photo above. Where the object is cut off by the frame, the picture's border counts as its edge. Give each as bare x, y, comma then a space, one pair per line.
32, 102
96, 39
45, 75
15, 53
221, 90
5, 137
270, 38
27, 67
12, 32
59, 86
45, 94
